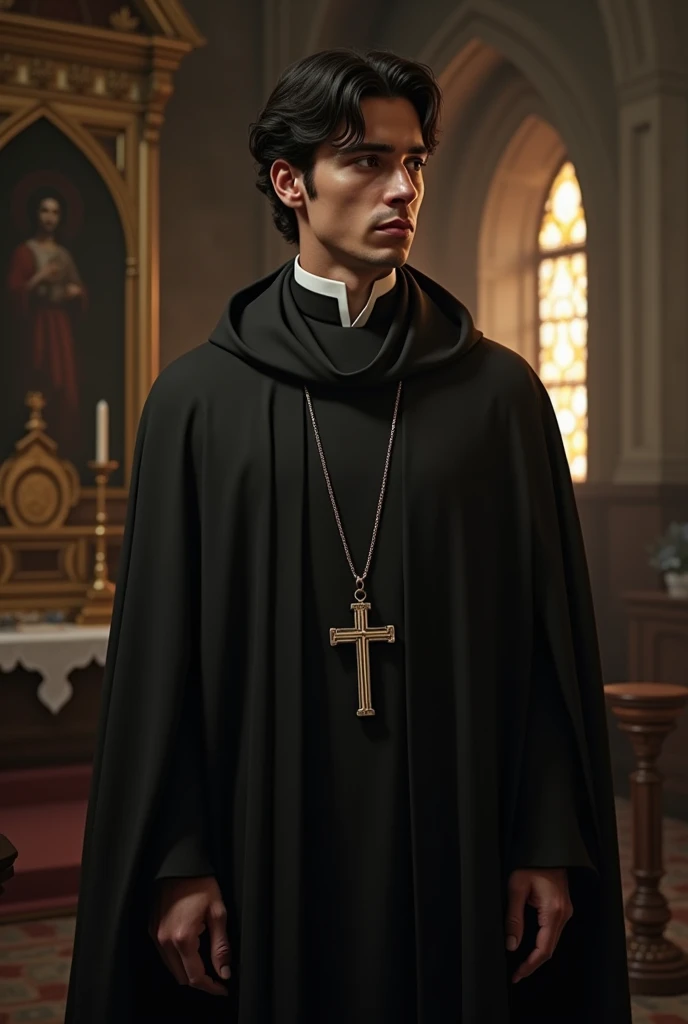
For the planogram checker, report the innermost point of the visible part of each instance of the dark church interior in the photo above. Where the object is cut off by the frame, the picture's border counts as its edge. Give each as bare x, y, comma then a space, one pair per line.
555, 210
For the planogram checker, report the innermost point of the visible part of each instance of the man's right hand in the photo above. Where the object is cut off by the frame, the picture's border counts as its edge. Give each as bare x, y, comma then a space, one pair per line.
50, 272
183, 909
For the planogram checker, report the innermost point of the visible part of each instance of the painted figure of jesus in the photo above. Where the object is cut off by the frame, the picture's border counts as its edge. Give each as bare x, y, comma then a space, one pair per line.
46, 292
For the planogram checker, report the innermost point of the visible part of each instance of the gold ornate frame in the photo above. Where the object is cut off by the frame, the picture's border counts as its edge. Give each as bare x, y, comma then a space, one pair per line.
97, 85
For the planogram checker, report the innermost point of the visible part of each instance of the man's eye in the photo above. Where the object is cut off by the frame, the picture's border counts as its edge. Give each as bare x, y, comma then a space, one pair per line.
371, 156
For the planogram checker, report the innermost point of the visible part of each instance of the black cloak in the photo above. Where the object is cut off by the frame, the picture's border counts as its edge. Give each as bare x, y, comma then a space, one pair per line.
363, 861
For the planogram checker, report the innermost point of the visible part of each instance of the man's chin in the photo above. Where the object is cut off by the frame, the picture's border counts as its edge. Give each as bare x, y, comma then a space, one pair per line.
389, 256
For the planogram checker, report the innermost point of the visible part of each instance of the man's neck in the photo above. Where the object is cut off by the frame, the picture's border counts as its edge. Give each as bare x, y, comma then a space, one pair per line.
359, 287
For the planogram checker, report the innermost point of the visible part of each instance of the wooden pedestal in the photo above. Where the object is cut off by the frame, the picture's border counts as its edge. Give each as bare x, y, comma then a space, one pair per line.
647, 712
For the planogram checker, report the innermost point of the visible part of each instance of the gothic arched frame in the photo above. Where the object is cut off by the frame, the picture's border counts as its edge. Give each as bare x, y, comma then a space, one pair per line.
90, 82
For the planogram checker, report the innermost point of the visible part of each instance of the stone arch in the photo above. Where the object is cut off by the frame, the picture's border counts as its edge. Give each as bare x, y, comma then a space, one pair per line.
507, 305
643, 36
507, 84
541, 60
627, 32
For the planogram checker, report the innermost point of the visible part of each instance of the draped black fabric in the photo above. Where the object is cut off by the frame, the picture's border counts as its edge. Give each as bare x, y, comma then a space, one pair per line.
363, 861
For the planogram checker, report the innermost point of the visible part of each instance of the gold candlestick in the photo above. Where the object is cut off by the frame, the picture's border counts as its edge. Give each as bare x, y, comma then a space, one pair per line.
97, 609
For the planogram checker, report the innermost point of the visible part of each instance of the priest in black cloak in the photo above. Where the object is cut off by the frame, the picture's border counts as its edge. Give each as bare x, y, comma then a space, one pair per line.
353, 704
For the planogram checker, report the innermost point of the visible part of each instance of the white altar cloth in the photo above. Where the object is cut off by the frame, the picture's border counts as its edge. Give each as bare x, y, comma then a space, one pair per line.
53, 650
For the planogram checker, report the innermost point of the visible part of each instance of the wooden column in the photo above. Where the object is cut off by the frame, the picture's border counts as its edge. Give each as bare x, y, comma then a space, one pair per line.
647, 712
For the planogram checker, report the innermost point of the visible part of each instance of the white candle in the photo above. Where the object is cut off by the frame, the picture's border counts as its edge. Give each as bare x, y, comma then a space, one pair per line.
102, 431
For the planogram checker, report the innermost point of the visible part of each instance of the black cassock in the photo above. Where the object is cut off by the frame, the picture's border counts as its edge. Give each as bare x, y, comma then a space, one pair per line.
363, 860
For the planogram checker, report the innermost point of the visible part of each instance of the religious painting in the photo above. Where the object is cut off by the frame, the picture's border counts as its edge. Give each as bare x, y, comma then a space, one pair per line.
62, 294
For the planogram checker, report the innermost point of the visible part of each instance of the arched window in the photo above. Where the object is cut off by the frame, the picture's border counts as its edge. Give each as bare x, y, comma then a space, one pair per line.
563, 312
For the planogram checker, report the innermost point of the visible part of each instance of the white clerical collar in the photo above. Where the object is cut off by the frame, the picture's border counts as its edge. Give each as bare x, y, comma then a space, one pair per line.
337, 290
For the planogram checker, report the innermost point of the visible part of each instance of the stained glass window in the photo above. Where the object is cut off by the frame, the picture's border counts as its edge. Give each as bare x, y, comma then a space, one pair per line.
563, 314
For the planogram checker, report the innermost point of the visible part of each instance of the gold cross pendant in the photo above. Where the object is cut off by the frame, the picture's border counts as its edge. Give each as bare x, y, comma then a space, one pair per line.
362, 635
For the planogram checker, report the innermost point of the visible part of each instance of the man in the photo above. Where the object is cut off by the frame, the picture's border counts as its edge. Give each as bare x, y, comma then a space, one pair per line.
353, 744
46, 293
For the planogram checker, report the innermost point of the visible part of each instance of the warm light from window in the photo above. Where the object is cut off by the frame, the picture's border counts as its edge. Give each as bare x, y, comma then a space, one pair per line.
563, 298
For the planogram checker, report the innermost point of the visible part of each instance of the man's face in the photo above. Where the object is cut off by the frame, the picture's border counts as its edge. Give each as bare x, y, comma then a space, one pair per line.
49, 215
358, 191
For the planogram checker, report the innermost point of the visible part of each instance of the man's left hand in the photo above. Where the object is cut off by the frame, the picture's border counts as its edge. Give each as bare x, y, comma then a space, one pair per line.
546, 889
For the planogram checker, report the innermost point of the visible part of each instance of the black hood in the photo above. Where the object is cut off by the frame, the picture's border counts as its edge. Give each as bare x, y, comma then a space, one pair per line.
263, 326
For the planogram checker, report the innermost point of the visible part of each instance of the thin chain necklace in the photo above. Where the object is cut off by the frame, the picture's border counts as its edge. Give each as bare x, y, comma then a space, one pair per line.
362, 634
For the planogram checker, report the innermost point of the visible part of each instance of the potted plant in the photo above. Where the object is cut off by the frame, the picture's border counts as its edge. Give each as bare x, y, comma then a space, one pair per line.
670, 555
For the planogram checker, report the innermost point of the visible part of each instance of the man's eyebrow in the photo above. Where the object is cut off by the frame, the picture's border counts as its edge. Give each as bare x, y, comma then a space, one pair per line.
378, 147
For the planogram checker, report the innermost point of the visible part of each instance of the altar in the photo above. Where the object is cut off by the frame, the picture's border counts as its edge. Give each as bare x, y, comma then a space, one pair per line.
50, 687
82, 103
53, 651
56, 553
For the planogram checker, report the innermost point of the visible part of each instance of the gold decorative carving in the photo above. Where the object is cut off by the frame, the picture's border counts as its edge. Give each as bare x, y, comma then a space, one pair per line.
38, 498
72, 561
118, 84
81, 77
124, 21
97, 608
6, 563
37, 489
8, 67
44, 561
160, 89
168, 18
41, 72
37, 73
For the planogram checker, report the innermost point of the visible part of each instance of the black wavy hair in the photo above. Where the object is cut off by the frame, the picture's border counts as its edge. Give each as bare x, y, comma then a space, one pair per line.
312, 97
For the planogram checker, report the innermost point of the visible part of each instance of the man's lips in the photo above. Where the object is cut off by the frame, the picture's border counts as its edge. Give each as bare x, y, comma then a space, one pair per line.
391, 225
395, 229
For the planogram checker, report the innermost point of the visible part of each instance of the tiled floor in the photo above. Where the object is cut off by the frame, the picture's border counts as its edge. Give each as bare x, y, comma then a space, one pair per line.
35, 956
648, 1009
34, 970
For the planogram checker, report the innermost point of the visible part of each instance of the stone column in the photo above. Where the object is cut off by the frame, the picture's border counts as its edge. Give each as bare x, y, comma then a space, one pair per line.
653, 197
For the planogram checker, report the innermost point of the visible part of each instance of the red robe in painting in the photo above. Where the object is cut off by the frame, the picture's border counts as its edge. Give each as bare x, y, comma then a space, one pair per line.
43, 327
